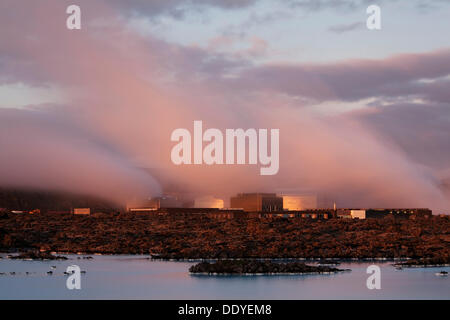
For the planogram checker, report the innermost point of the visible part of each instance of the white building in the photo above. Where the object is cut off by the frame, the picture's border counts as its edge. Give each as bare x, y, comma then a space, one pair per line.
358, 214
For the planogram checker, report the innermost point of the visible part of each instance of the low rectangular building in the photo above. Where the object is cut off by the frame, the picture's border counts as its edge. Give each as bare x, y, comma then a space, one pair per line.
142, 210
398, 212
84, 211
319, 214
383, 212
257, 202
208, 202
296, 202
358, 214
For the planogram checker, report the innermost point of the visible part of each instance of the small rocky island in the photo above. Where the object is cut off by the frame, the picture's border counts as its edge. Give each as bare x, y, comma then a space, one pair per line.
424, 262
241, 267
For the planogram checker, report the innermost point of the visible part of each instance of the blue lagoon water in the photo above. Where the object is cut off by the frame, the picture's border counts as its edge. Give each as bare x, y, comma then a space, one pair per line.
137, 277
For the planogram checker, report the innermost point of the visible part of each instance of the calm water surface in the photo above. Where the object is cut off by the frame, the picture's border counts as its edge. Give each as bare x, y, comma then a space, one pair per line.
136, 277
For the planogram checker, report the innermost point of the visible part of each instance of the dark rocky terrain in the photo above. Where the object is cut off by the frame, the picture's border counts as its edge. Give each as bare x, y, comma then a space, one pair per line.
258, 267
198, 236
424, 262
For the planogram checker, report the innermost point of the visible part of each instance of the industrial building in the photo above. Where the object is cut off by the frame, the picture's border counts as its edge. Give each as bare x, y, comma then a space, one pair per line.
208, 212
380, 213
297, 201
319, 214
208, 202
83, 211
358, 214
257, 202
154, 204
166, 202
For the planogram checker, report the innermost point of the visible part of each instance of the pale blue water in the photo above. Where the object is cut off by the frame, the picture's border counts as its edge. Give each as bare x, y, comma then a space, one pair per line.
136, 277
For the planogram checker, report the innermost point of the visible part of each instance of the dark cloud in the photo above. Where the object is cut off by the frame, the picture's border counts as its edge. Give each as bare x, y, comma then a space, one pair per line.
343, 28
314, 5
175, 8
346, 5
353, 80
179, 8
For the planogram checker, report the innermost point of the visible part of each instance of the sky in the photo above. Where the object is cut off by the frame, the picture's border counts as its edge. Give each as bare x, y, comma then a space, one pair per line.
364, 115
306, 33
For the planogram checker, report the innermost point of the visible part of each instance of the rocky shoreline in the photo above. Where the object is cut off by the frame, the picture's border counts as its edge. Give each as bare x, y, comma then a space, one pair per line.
36, 255
252, 267
397, 262
423, 263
